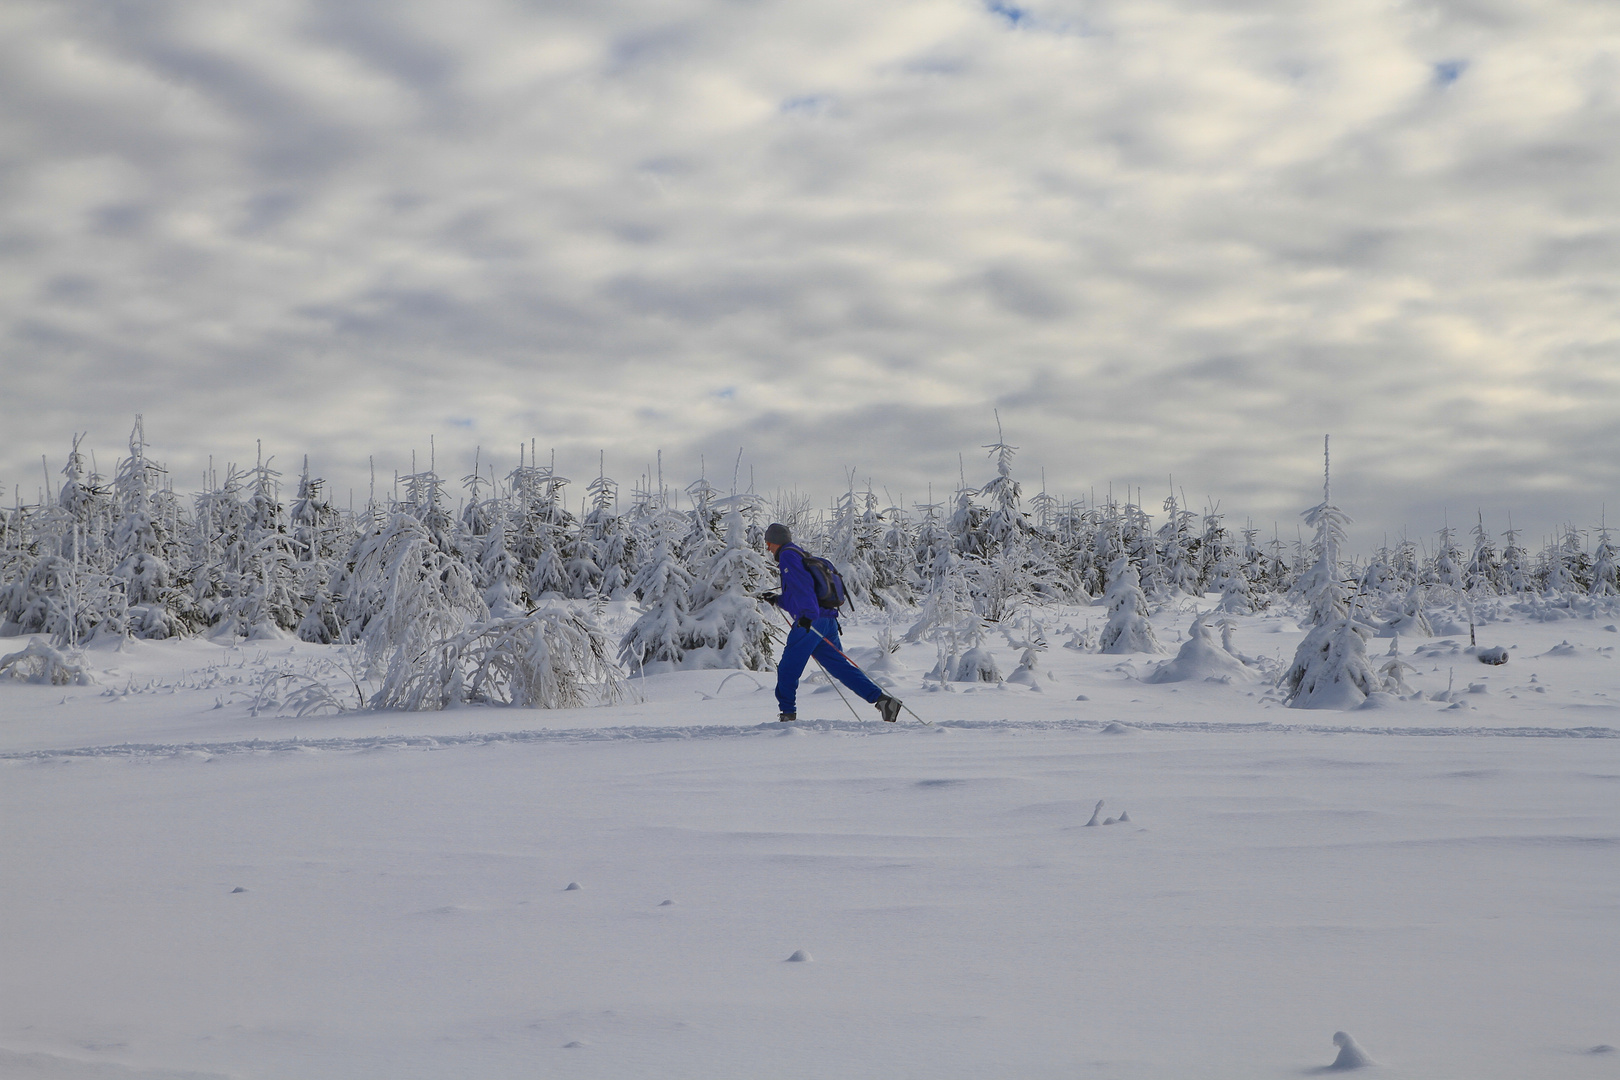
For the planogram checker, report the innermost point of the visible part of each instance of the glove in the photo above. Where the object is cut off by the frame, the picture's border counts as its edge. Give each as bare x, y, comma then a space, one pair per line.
804, 621
770, 597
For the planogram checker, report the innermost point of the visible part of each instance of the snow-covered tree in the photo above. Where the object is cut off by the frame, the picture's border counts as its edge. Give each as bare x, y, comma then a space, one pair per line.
726, 627
1128, 629
1605, 565
1178, 549
1321, 586
1330, 668
1449, 562
1515, 570
659, 634
1481, 573
399, 596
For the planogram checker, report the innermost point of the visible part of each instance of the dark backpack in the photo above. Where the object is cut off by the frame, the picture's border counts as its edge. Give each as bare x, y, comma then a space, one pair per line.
829, 583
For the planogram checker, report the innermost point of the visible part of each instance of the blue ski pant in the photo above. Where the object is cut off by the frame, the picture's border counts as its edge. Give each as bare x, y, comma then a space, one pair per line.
801, 646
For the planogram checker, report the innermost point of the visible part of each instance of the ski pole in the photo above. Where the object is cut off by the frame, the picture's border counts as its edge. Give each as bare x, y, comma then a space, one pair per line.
834, 684
830, 680
854, 665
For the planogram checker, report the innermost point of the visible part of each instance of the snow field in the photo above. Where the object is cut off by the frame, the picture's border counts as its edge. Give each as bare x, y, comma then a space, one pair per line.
1442, 884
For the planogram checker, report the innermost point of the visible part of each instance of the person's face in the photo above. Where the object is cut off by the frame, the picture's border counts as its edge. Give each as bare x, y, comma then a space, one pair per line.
773, 548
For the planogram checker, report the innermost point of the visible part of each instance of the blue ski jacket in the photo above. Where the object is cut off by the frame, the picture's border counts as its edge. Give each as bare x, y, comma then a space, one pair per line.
798, 597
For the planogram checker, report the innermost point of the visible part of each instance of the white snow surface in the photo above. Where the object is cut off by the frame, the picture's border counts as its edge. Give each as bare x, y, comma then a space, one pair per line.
191, 890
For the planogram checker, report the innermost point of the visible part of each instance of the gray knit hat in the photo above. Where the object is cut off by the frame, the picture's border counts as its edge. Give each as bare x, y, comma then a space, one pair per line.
777, 533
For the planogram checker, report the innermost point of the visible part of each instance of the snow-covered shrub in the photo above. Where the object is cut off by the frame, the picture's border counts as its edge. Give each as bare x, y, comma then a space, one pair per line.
1393, 670
553, 658
1027, 673
40, 663
1407, 616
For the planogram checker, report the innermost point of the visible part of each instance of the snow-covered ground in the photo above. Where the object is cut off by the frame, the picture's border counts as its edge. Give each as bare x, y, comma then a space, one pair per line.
194, 887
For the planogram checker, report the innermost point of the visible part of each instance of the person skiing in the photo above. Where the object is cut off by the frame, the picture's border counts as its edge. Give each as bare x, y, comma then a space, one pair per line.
814, 633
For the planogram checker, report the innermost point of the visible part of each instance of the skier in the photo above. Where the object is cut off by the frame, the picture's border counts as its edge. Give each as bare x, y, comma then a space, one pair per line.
814, 633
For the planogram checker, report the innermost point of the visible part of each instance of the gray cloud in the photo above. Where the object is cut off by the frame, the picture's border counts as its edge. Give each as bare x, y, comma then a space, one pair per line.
1179, 239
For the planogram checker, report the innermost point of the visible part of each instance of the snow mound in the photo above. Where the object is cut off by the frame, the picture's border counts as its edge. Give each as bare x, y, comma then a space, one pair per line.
800, 957
1495, 655
575, 1045
1351, 1056
1096, 815
1601, 1048
976, 665
876, 660
572, 886
667, 903
1201, 657
1116, 728
1027, 673
237, 890
1379, 699
1566, 649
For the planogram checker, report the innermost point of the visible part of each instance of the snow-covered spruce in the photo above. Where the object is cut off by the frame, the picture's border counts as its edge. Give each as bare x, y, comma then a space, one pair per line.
1128, 629
1331, 669
1321, 586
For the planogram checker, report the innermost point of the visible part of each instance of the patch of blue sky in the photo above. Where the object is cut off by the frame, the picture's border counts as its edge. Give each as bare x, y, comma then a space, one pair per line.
813, 104
726, 393
1015, 15
462, 422
1447, 72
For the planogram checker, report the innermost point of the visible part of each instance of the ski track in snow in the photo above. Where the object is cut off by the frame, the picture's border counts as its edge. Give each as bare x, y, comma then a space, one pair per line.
721, 731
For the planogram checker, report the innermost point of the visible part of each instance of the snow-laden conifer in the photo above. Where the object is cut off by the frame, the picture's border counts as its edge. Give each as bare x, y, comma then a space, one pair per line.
1605, 565
1320, 586
1006, 521
1449, 563
854, 541
1516, 576
1178, 550
1330, 668
1406, 614
895, 580
139, 540
1227, 575
607, 538
1481, 575
726, 628
657, 638
1128, 629
400, 597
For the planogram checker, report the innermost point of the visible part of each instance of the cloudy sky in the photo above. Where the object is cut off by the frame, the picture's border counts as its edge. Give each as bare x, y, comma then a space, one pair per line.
1162, 237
